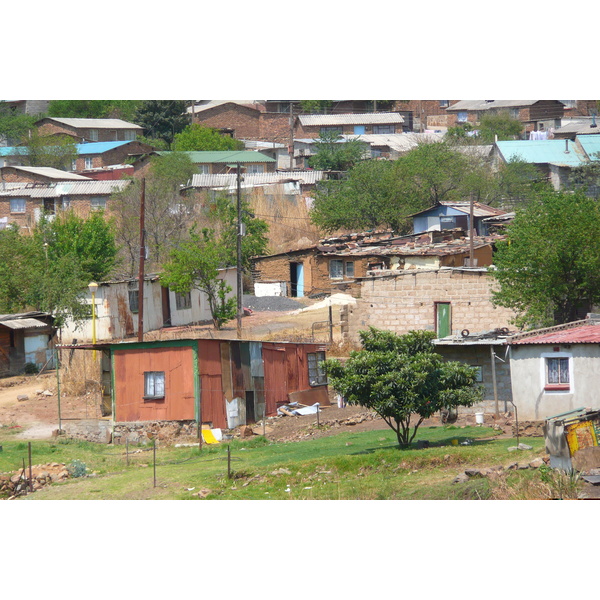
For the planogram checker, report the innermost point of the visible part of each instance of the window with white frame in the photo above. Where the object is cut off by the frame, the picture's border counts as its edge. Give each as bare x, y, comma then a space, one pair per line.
98, 203
129, 135
74, 165
255, 168
66, 203
462, 116
316, 373
154, 385
336, 269
93, 133
17, 205
88, 163
183, 301
557, 372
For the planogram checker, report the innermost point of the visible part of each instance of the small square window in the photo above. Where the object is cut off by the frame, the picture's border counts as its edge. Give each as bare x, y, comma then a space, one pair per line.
316, 374
154, 385
17, 205
349, 269
93, 135
183, 301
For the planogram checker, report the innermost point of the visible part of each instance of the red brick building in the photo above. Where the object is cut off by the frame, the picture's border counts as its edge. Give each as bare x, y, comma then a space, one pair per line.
90, 130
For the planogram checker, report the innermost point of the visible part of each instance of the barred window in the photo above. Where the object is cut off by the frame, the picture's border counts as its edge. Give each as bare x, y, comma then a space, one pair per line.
557, 373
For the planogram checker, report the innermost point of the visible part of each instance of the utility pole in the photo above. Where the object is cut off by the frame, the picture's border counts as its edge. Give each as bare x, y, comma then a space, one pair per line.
471, 232
239, 251
142, 257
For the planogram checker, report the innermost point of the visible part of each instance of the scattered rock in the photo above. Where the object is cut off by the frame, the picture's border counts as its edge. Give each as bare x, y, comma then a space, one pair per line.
461, 478
524, 447
204, 493
47, 393
522, 466
536, 463
246, 431
512, 466
22, 397
281, 471
473, 473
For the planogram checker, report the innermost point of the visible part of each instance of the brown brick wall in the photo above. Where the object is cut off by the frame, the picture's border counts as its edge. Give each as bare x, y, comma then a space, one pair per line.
407, 300
81, 205
104, 135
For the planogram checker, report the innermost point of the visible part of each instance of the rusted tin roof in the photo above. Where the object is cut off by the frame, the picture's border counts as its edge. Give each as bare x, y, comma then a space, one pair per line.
581, 332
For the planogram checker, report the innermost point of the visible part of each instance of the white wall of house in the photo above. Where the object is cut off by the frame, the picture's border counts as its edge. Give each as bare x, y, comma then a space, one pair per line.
527, 367
115, 318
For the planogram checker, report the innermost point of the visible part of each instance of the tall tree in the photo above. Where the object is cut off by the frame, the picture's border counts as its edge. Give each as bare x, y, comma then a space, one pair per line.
196, 137
549, 267
333, 153
162, 119
402, 379
56, 151
94, 109
195, 264
500, 125
168, 214
384, 193
14, 127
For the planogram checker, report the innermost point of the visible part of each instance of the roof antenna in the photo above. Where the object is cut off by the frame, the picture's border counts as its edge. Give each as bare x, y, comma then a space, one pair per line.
566, 146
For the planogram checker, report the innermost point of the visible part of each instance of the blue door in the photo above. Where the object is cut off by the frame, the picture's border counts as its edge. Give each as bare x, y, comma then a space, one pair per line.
300, 280
359, 129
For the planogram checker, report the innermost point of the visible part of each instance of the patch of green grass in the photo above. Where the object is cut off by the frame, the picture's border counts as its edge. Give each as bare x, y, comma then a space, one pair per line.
348, 466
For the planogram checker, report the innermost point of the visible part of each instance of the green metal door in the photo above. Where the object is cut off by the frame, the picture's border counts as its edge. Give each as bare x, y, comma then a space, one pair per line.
443, 327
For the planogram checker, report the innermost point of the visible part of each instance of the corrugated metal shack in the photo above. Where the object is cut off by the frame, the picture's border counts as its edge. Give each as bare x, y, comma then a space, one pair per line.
26, 338
224, 383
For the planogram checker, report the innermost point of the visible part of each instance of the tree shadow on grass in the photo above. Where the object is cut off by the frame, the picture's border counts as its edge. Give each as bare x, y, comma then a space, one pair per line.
445, 442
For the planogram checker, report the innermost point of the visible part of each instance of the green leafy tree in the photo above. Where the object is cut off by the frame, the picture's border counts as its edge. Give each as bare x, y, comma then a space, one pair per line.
334, 154
587, 177
91, 241
223, 220
549, 267
385, 193
162, 119
197, 138
402, 379
499, 124
195, 264
14, 126
50, 270
56, 151
312, 107
94, 109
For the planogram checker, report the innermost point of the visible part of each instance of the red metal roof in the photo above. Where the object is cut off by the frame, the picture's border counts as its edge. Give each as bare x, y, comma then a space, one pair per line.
583, 334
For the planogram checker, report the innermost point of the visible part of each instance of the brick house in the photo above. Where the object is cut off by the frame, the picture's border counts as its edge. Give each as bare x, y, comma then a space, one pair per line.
90, 130
98, 155
423, 115
23, 203
446, 300
534, 114
339, 264
249, 121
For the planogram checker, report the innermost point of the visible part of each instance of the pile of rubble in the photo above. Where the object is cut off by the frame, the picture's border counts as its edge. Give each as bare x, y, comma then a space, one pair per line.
18, 482
468, 474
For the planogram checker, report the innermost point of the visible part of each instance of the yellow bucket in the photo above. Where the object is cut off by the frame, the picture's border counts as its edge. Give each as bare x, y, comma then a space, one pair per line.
454, 442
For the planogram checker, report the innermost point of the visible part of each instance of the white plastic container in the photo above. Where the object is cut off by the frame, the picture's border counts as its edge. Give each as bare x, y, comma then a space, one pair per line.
479, 418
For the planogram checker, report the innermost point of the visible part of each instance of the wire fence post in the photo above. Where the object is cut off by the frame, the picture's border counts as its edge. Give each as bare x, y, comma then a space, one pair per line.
154, 453
127, 450
228, 461
30, 472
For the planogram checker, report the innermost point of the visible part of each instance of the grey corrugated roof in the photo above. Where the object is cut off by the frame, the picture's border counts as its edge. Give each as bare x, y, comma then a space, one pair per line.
69, 188
254, 179
96, 123
350, 119
23, 323
51, 172
487, 104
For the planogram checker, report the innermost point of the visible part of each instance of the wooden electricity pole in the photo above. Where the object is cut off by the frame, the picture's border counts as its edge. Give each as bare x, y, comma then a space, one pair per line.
142, 258
471, 232
239, 252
